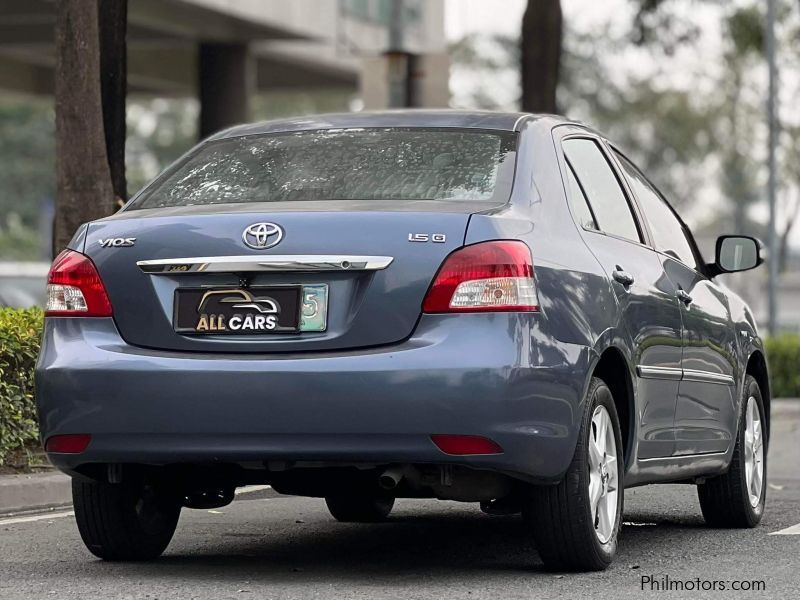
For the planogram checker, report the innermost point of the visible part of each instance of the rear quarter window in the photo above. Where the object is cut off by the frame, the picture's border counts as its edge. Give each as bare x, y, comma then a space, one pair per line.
603, 191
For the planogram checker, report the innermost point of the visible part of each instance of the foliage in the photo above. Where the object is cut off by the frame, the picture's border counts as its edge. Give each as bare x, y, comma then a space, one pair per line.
664, 130
20, 335
159, 131
27, 149
27, 175
17, 241
484, 72
655, 24
783, 357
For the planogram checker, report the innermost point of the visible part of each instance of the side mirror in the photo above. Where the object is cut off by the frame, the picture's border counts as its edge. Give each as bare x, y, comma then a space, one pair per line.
736, 253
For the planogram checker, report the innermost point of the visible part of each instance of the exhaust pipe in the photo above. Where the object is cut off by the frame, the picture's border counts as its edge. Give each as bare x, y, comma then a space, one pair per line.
390, 478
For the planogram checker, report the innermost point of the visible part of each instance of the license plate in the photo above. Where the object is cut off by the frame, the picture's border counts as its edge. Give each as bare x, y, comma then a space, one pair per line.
243, 311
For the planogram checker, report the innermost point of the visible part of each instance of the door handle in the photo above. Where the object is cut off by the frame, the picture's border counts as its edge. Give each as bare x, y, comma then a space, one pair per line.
684, 297
626, 279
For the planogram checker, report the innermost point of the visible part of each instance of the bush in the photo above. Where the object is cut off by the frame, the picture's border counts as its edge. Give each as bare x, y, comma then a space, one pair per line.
783, 356
20, 336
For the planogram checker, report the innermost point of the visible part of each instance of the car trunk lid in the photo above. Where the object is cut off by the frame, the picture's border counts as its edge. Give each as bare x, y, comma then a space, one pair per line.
375, 276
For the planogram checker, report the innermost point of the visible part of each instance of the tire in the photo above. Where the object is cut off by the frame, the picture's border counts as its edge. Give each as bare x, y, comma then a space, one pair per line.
359, 509
726, 500
125, 521
566, 534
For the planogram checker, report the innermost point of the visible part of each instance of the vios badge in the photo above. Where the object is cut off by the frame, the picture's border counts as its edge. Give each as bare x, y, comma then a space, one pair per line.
260, 236
117, 242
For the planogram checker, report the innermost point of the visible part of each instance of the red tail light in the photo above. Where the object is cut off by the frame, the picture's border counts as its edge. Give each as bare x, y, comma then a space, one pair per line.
490, 276
74, 288
464, 445
74, 443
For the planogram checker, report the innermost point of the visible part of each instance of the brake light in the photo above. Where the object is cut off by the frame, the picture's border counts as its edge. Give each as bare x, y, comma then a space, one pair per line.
485, 277
74, 288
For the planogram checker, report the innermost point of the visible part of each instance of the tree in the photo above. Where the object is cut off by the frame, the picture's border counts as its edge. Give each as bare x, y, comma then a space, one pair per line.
541, 55
113, 24
84, 186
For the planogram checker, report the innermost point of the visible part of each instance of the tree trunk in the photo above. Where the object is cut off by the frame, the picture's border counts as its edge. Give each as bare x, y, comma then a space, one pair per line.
113, 24
83, 180
541, 55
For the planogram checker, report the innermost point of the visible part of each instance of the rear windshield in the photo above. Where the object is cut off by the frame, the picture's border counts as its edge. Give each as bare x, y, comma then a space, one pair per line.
343, 164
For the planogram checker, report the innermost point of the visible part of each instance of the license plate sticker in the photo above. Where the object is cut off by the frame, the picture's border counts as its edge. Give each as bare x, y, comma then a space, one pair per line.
314, 308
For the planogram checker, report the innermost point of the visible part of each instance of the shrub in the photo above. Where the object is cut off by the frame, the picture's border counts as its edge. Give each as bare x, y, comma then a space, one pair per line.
783, 356
20, 335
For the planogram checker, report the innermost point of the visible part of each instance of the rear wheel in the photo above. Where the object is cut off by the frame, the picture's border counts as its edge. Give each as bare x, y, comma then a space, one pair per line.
736, 499
125, 521
360, 508
576, 522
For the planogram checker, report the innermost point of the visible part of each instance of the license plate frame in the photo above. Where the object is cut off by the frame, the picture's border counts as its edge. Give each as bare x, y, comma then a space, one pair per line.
230, 311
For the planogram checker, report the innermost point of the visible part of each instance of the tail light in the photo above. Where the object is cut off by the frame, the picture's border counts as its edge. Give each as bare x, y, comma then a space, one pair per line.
74, 288
485, 277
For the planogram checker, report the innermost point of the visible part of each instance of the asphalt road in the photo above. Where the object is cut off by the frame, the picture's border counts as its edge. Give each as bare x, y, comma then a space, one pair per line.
264, 546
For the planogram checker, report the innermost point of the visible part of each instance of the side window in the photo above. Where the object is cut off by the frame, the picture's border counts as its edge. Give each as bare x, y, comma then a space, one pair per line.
578, 202
597, 179
669, 234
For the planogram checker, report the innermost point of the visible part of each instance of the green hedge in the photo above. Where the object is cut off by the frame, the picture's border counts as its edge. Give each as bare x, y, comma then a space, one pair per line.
20, 334
783, 355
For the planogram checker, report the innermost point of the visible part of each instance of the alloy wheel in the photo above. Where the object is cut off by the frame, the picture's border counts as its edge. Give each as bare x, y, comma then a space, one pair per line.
603, 474
753, 451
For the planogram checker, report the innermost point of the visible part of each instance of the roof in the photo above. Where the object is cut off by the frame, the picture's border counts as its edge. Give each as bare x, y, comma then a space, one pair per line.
462, 119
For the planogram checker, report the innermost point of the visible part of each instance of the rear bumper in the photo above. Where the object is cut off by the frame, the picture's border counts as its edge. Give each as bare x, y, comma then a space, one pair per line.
463, 374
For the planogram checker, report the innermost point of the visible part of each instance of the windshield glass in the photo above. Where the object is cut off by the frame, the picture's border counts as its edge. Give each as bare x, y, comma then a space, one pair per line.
350, 164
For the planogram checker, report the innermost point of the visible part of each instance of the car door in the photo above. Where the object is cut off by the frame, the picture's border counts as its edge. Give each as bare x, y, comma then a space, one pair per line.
705, 412
647, 302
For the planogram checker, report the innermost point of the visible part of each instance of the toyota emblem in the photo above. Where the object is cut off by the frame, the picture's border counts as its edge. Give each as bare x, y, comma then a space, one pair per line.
262, 235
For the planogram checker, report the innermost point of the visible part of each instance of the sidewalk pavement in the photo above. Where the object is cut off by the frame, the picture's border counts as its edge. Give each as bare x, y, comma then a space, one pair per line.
37, 491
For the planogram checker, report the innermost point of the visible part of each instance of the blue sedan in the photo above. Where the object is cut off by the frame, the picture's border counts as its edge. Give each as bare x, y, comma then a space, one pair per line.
484, 307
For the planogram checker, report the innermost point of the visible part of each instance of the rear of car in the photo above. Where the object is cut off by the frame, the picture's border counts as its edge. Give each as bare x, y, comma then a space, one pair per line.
306, 299
367, 307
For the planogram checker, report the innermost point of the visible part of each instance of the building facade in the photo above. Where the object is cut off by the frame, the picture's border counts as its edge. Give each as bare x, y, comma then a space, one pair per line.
224, 51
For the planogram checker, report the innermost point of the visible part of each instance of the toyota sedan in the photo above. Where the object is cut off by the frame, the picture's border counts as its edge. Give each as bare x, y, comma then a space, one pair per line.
484, 307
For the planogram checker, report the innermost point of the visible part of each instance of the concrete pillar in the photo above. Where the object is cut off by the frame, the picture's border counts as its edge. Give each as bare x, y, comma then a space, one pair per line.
226, 81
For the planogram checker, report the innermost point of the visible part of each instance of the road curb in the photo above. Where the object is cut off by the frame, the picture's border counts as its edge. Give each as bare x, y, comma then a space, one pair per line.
38, 491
